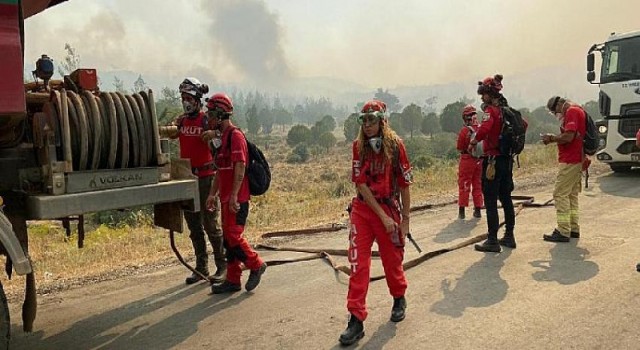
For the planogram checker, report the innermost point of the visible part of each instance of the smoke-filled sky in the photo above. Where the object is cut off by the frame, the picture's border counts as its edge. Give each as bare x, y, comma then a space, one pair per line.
374, 43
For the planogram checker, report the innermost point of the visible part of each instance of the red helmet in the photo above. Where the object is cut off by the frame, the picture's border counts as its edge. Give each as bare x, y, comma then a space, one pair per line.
490, 85
468, 111
220, 103
193, 87
373, 110
373, 106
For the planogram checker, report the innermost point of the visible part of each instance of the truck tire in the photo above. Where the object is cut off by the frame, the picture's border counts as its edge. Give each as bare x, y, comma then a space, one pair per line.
620, 168
5, 323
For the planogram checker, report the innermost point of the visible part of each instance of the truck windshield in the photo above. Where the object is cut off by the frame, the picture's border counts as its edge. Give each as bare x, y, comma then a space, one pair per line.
621, 60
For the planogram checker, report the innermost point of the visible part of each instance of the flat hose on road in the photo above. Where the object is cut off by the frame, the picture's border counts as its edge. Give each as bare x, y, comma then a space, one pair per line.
326, 254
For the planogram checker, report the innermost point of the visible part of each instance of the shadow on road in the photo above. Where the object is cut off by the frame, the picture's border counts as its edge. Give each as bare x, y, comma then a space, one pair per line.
479, 286
567, 265
455, 230
621, 184
378, 339
97, 331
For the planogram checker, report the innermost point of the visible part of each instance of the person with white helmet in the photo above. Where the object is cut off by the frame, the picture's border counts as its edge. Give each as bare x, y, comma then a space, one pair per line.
382, 174
191, 128
232, 187
470, 166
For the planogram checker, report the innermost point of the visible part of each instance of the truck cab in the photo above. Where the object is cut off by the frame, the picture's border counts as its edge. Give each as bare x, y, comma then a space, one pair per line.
619, 99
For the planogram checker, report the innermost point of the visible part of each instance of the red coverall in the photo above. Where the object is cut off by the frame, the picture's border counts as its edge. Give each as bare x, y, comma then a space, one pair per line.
469, 171
238, 249
366, 227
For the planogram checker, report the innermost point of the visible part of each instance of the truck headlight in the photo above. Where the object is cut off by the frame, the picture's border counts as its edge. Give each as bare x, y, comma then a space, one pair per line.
602, 129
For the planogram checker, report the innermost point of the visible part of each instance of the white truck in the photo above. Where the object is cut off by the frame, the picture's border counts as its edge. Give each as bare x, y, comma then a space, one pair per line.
619, 99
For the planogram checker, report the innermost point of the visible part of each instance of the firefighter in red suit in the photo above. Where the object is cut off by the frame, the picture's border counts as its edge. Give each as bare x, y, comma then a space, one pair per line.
194, 146
470, 167
497, 168
232, 186
380, 170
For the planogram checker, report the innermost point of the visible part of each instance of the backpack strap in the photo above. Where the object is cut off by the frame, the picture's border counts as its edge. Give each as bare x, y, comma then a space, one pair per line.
395, 167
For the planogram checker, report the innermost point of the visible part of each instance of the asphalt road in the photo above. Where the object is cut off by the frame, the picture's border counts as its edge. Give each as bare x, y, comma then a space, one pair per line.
579, 295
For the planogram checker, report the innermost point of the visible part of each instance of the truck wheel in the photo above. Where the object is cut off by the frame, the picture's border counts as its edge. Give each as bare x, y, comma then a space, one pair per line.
620, 168
5, 323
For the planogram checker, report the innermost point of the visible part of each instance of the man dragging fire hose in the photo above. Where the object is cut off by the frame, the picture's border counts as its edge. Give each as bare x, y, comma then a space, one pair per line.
470, 167
380, 169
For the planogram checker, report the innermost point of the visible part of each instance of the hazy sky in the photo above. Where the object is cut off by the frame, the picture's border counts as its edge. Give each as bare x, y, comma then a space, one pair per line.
373, 43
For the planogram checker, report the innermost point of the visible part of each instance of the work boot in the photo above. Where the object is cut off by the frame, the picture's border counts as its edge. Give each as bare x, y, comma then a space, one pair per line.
476, 213
575, 234
638, 267
254, 277
353, 333
556, 236
508, 240
398, 309
491, 245
461, 213
194, 278
225, 287
221, 272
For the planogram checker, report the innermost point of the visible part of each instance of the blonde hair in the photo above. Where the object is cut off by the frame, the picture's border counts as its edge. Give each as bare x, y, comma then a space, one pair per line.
390, 141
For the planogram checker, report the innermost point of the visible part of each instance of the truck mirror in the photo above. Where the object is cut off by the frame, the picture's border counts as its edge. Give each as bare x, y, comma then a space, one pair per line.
590, 62
591, 76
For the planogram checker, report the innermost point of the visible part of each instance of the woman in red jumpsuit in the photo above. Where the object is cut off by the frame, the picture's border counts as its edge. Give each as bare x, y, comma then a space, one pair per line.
470, 167
382, 174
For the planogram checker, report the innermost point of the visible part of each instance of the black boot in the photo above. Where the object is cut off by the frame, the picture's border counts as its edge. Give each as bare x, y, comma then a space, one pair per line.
508, 240
254, 277
195, 278
490, 245
354, 331
225, 287
398, 310
476, 213
221, 272
461, 213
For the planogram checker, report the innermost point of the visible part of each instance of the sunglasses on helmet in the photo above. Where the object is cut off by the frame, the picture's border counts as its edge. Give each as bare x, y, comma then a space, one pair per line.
370, 118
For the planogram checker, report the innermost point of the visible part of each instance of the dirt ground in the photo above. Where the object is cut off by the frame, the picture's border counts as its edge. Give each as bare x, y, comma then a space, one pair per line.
577, 295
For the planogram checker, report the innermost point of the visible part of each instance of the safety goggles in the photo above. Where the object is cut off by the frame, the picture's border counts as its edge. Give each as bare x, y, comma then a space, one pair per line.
215, 113
370, 118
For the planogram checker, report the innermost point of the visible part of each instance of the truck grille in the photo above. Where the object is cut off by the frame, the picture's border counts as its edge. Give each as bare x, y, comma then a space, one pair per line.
628, 127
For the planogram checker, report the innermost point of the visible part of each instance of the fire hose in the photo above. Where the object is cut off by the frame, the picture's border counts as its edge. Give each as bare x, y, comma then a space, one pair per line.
103, 131
327, 254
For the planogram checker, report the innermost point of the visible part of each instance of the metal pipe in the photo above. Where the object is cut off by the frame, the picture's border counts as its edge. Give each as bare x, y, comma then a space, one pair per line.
154, 125
66, 131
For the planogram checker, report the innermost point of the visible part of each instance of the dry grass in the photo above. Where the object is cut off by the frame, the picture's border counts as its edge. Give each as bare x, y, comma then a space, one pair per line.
302, 195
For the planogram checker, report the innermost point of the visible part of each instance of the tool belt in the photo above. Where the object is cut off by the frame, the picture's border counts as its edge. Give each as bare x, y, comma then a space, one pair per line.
197, 170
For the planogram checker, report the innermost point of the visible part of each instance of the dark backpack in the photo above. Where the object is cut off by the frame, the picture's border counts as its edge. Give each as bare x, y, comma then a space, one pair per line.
257, 170
590, 141
512, 134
